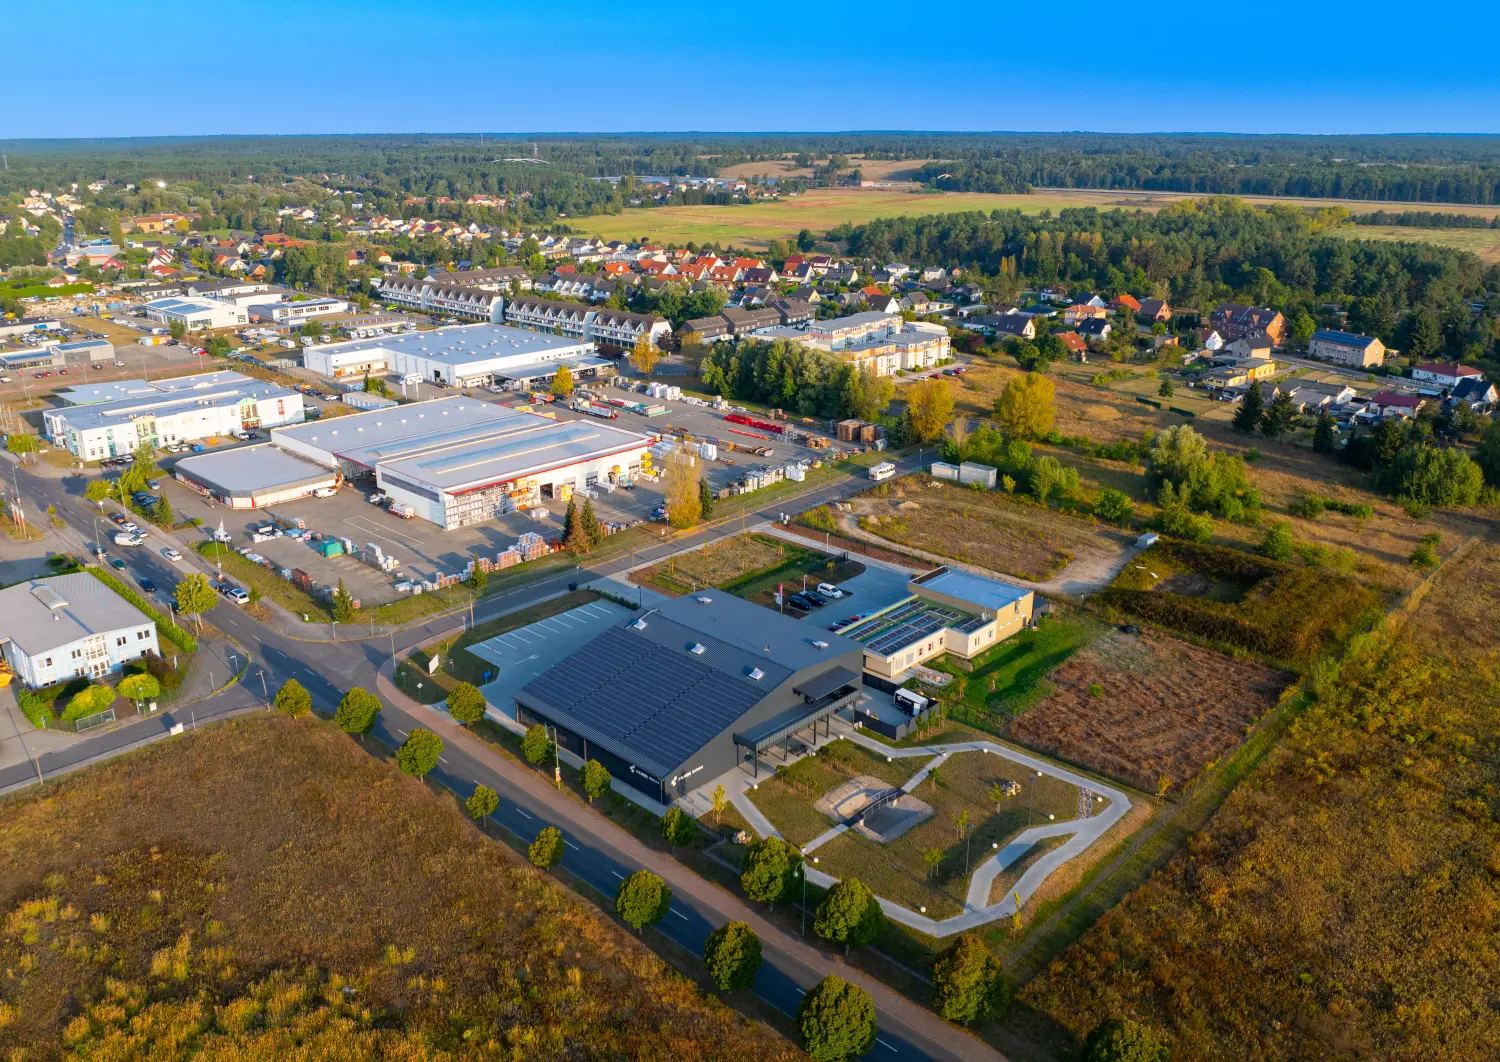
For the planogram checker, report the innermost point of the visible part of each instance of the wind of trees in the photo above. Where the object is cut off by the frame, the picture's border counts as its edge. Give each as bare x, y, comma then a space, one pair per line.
793, 377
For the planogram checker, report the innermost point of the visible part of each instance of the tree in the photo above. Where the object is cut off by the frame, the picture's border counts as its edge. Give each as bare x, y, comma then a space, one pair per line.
1247, 418
642, 900
293, 699
176, 329
930, 406
547, 850
644, 355
1123, 1040
196, 595
419, 753
356, 712
573, 535
1113, 505
770, 869
99, 491
478, 579
732, 956
596, 779
482, 802
1277, 543
1025, 409
1278, 419
1487, 454
1433, 476
968, 982
589, 522
678, 828
1165, 390
162, 512
140, 687
705, 500
849, 915
20, 443
720, 803
933, 857
465, 703
837, 1021
562, 382
1324, 433
536, 746
343, 605
680, 487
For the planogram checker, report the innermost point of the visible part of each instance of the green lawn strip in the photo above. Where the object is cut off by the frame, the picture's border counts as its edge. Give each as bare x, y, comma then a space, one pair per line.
164, 626
897, 870
461, 666
786, 798
28, 291
1011, 677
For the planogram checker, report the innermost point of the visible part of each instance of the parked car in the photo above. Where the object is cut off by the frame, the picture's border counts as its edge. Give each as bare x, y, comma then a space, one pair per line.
816, 598
800, 602
153, 484
118, 518
147, 585
235, 594
829, 590
171, 554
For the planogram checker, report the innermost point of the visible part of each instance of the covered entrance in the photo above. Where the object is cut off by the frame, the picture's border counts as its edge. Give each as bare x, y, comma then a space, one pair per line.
823, 695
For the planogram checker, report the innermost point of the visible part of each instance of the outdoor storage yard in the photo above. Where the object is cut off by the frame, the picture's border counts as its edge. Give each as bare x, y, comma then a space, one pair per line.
984, 528
1146, 709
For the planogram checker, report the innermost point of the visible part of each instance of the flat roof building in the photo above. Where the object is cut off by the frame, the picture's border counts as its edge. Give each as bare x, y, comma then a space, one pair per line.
461, 355
878, 341
196, 313
182, 410
458, 461
252, 477
679, 694
70, 626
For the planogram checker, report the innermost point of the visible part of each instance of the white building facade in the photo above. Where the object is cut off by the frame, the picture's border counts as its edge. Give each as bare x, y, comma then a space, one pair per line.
71, 626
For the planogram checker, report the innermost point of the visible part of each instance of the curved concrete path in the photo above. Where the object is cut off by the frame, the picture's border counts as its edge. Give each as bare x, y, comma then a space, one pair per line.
1081, 833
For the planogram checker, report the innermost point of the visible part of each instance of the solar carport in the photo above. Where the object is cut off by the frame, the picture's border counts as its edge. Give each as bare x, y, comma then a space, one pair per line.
677, 695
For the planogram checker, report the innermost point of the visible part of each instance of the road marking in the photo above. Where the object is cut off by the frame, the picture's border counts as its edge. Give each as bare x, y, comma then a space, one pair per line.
401, 732
442, 759
800, 991
883, 1044
617, 874
571, 845
523, 811
679, 914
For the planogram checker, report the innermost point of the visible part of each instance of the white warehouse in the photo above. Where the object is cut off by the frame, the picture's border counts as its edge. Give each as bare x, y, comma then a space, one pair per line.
460, 355
195, 313
181, 410
70, 626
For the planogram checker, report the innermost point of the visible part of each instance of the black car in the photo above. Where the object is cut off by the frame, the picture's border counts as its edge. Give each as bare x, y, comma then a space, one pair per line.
816, 598
147, 585
798, 601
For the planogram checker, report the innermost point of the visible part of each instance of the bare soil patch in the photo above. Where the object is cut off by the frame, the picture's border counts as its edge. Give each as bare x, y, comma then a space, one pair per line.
1143, 707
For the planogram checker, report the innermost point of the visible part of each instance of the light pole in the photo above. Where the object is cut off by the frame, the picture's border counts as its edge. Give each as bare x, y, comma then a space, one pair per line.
1031, 804
556, 758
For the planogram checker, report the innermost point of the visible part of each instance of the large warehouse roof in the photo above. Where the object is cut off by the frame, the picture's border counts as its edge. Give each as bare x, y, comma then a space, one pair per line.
658, 688
115, 390
247, 471
472, 346
454, 444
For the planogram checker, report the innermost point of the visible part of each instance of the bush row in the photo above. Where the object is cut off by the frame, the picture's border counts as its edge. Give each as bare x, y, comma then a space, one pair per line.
165, 627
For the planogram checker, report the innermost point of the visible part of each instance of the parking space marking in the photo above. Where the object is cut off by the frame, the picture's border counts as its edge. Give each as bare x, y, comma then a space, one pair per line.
386, 534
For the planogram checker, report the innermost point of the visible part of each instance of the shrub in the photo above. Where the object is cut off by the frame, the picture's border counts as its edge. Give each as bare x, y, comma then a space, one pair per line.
732, 956
1277, 543
89, 701
35, 708
821, 518
547, 850
1113, 505
1307, 506
968, 982
164, 627
1122, 1040
678, 828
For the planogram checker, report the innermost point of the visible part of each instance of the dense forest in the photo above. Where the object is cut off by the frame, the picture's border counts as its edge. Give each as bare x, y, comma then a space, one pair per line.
1198, 253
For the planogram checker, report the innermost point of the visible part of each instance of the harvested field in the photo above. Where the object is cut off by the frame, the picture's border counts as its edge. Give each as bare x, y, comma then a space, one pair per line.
265, 889
1143, 708
984, 528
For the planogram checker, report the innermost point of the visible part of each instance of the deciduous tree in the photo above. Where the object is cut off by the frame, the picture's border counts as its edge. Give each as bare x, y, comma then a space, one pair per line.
483, 801
547, 849
357, 711
770, 869
140, 687
849, 915
678, 828
293, 699
837, 1021
680, 487
536, 746
596, 779
1025, 408
642, 900
419, 753
1123, 1040
562, 382
195, 595
465, 703
732, 956
968, 982
929, 403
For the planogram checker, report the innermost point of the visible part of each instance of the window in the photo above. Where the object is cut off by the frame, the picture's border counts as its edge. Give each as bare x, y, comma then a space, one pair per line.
121, 640
47, 661
141, 636
77, 653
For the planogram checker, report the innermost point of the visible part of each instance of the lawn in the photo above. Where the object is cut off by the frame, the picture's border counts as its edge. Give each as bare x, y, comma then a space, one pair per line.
787, 797
461, 666
748, 566
897, 870
23, 290
1011, 677
271, 866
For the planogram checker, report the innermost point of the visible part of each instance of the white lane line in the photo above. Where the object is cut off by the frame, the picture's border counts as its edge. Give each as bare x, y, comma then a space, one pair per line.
523, 811
617, 874
571, 845
679, 914
800, 991
442, 759
883, 1044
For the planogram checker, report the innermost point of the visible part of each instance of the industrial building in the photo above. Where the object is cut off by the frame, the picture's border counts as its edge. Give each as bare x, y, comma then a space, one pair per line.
681, 693
949, 611
477, 355
881, 342
70, 626
91, 350
253, 477
196, 313
180, 410
459, 461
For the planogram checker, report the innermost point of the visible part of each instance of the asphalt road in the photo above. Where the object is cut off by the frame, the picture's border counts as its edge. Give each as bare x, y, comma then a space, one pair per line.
328, 669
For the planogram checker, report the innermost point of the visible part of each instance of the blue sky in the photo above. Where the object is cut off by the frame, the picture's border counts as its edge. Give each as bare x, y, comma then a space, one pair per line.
163, 67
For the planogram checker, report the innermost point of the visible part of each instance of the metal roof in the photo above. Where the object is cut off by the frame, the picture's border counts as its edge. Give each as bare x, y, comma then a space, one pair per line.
114, 390
251, 470
37, 624
167, 403
475, 347
643, 694
989, 594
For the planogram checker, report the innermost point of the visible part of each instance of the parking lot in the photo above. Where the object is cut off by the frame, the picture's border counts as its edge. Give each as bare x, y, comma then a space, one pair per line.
520, 655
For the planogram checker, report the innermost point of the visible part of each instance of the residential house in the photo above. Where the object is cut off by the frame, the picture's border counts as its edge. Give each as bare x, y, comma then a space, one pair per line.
1479, 393
1249, 347
745, 322
69, 627
1075, 343
884, 303
917, 302
761, 275
793, 311
706, 329
1233, 321
1443, 374
1346, 348
1208, 339
1126, 302
1394, 404
1082, 311
1095, 328
1155, 309
1005, 325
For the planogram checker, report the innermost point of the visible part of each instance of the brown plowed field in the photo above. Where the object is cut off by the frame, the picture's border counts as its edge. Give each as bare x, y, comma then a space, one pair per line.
1162, 708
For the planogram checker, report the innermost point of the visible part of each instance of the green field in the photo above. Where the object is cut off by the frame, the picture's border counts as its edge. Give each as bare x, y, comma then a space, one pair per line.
25, 291
756, 224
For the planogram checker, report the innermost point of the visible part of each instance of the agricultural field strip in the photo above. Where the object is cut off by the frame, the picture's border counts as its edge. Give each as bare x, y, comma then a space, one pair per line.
980, 911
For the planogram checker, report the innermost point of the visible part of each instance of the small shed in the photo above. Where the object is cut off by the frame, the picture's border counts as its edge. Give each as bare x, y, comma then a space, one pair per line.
971, 472
1147, 540
943, 470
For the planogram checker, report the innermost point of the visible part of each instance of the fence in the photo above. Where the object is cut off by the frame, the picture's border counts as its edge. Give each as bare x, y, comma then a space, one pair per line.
89, 722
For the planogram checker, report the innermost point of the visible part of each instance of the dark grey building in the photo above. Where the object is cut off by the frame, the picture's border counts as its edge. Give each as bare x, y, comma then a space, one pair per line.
679, 694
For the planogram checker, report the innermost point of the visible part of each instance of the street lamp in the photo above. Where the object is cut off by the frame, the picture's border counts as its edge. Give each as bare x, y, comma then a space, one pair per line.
1031, 805
556, 757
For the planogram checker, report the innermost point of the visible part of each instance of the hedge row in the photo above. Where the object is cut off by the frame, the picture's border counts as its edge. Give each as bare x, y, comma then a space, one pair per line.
164, 627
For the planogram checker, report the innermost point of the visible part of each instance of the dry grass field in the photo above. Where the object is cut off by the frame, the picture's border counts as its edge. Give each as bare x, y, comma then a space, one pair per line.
1147, 708
267, 890
1483, 242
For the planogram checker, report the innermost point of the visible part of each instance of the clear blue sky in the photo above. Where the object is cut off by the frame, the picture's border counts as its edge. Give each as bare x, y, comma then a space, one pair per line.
161, 67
